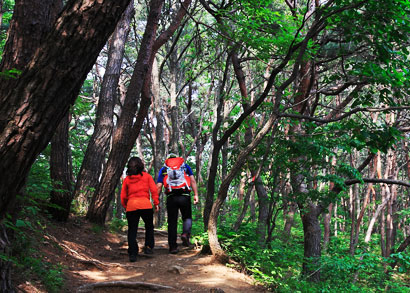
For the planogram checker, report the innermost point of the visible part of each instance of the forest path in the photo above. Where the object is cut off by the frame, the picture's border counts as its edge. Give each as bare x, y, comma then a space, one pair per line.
90, 256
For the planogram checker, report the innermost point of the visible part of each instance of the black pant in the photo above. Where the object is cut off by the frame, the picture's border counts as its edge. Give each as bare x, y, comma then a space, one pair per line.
133, 219
176, 202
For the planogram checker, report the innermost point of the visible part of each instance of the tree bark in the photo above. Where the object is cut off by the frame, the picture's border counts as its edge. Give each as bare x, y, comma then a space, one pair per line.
173, 67
289, 209
31, 21
326, 226
125, 134
98, 146
160, 143
245, 206
128, 130
353, 217
38, 99
61, 172
312, 238
217, 251
379, 209
366, 201
328, 215
5, 265
263, 200
1, 14
216, 148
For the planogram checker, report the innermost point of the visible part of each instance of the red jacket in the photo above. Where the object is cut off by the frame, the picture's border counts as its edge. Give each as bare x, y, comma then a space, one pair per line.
135, 192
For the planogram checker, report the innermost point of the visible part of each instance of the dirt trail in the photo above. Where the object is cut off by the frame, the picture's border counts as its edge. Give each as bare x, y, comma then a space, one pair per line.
95, 257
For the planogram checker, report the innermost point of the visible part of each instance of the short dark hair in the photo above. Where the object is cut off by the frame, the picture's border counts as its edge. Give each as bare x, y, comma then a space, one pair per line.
135, 166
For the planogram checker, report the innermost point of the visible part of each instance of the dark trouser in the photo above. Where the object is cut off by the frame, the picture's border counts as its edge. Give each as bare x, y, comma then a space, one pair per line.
133, 219
176, 202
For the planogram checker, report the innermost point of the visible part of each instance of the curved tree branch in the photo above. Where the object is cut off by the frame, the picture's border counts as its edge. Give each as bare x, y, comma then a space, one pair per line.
376, 180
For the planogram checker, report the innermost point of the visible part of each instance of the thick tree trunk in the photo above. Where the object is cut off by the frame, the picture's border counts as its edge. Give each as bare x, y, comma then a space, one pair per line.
60, 172
312, 238
31, 21
40, 97
98, 146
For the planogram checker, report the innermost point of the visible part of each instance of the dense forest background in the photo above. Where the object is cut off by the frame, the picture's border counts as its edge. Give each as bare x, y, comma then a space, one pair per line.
294, 115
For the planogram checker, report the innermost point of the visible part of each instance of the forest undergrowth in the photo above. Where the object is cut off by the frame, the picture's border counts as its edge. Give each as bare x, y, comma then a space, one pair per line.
275, 266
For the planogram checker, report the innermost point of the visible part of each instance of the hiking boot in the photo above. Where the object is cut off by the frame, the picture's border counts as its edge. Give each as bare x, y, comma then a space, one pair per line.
133, 257
173, 251
148, 250
185, 240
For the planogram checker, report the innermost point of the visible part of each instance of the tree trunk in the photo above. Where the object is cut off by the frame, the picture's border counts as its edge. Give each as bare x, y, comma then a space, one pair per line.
160, 143
328, 215
94, 158
126, 132
290, 218
289, 208
312, 238
378, 211
31, 21
173, 67
128, 129
60, 172
263, 214
119, 209
244, 208
353, 217
391, 204
38, 99
215, 149
26, 32
1, 14
5, 265
326, 226
217, 251
263, 200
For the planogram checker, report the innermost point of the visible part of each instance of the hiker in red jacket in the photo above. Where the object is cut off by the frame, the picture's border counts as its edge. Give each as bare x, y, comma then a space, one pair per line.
178, 181
135, 198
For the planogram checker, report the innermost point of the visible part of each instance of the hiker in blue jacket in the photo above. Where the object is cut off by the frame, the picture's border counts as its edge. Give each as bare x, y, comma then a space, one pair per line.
178, 181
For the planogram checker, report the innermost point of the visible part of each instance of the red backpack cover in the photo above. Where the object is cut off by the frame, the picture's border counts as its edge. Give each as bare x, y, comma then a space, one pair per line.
175, 177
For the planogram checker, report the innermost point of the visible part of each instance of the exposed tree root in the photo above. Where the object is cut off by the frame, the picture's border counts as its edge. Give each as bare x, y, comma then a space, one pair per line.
89, 261
123, 284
